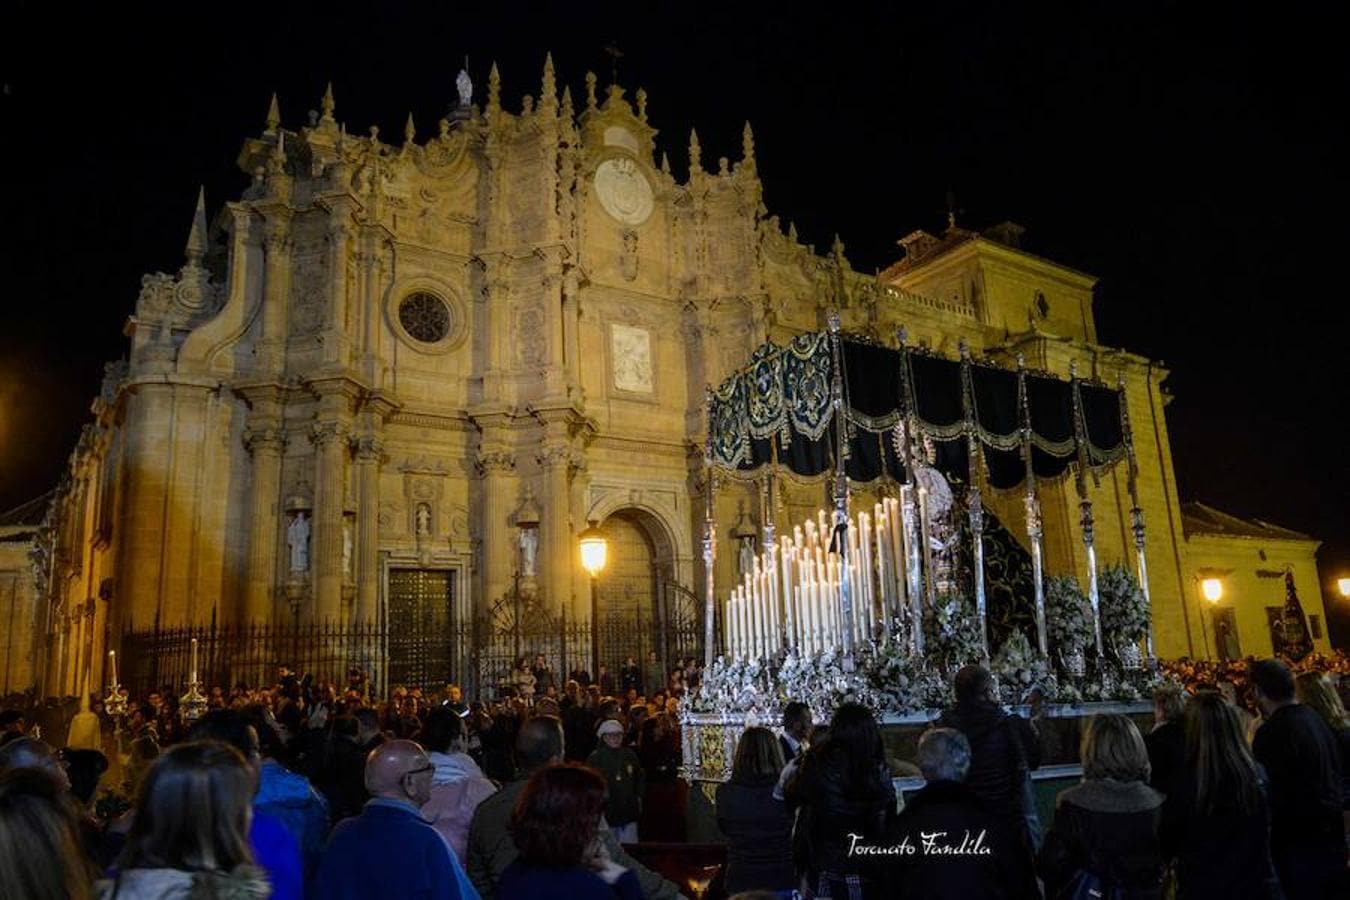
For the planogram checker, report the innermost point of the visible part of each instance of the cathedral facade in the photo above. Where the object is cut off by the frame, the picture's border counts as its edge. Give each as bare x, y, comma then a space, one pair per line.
399, 374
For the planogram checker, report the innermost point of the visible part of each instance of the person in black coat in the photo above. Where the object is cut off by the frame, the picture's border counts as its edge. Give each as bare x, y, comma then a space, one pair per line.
757, 827
1216, 822
951, 816
1315, 691
1106, 829
842, 789
1003, 747
797, 725
1298, 751
1166, 743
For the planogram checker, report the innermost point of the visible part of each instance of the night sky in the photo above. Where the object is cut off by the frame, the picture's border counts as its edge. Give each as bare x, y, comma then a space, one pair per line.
1195, 163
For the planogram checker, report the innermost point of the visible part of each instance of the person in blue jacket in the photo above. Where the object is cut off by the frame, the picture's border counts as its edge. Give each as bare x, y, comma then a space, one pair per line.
390, 852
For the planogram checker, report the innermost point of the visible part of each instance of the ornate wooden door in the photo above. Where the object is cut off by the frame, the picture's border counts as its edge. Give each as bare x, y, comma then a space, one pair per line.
421, 628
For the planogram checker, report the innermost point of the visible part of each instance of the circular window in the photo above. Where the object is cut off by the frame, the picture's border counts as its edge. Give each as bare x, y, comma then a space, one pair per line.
425, 317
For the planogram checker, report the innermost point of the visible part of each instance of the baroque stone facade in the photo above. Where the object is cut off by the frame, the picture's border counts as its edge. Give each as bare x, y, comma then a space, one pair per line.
380, 354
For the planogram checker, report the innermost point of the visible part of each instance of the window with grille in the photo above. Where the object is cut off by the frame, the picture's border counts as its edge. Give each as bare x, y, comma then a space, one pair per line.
425, 317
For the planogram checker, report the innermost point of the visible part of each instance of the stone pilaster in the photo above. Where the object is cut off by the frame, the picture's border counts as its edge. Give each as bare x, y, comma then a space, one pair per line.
266, 442
276, 289
559, 544
496, 467
571, 328
337, 342
142, 523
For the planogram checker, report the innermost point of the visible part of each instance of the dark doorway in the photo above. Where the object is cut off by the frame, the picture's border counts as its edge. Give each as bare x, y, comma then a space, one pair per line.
421, 627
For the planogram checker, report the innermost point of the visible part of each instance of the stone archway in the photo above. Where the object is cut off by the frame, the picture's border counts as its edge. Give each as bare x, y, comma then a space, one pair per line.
630, 592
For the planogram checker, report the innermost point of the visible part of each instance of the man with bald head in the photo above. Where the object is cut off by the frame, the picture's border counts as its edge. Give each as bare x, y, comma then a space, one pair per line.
390, 850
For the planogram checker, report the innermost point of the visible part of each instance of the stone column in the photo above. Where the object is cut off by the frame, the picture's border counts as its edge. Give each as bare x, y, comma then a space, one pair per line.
265, 441
555, 376
559, 529
142, 511
330, 445
496, 466
338, 341
369, 452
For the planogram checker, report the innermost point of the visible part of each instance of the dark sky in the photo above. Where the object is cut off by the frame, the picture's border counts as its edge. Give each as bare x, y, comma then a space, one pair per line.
1194, 161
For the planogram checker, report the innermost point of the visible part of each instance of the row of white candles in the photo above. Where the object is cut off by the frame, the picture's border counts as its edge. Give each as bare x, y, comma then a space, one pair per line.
794, 593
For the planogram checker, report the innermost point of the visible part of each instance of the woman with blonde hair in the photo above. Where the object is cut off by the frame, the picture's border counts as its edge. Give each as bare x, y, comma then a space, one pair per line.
1216, 821
757, 827
189, 840
1105, 832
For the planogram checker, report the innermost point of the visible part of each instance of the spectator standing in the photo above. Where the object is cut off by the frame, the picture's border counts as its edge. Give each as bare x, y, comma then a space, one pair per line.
1298, 751
1316, 691
289, 798
630, 676
666, 808
757, 827
41, 854
1003, 750
843, 788
1105, 830
543, 675
1216, 822
947, 808
189, 837
390, 852
556, 826
1166, 742
797, 724
624, 779
457, 785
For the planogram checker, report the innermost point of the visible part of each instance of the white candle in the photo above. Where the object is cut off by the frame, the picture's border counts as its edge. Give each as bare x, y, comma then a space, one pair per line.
194, 663
112, 658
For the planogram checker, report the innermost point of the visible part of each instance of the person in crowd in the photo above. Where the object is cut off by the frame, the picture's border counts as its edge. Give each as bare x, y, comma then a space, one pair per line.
457, 785
42, 856
630, 676
289, 798
30, 753
842, 789
454, 698
797, 724
665, 810
543, 675
757, 827
1298, 751
189, 836
556, 825
1003, 750
950, 813
1166, 742
84, 768
390, 851
523, 679
144, 743
491, 846
605, 678
1105, 830
637, 715
12, 725
1315, 691
275, 849
624, 778
579, 722
1215, 822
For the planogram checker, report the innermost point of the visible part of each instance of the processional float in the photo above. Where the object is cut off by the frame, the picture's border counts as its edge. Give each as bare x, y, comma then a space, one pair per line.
847, 409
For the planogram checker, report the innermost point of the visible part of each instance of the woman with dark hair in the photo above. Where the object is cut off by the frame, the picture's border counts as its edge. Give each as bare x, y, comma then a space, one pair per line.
457, 785
556, 827
41, 856
189, 840
844, 788
1105, 832
1216, 822
757, 827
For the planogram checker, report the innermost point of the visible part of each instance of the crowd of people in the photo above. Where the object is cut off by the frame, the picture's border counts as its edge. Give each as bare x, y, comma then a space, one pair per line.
309, 791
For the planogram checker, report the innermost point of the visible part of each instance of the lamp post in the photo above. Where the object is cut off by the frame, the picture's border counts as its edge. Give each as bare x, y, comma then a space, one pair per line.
594, 550
1343, 586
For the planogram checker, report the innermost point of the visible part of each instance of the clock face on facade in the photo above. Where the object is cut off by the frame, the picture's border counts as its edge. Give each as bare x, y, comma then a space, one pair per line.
623, 190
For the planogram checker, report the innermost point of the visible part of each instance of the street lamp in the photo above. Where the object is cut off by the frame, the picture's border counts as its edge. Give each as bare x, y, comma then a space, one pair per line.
1212, 588
594, 550
1343, 585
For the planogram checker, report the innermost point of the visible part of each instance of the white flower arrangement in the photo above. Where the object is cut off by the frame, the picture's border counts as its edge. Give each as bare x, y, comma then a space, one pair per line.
1068, 615
1121, 602
1019, 669
951, 633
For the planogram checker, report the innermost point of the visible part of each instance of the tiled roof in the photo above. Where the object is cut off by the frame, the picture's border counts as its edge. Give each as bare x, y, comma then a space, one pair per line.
1199, 518
30, 513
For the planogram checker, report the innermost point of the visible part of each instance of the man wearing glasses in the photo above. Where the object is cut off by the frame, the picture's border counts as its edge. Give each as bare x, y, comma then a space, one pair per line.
390, 850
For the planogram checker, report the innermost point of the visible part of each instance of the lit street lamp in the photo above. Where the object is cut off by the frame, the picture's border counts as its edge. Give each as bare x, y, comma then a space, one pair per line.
1343, 585
1212, 588
594, 550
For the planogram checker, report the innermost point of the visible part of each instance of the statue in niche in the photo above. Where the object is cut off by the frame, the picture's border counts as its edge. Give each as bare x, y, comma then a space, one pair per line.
529, 551
347, 546
745, 559
464, 86
297, 538
423, 520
